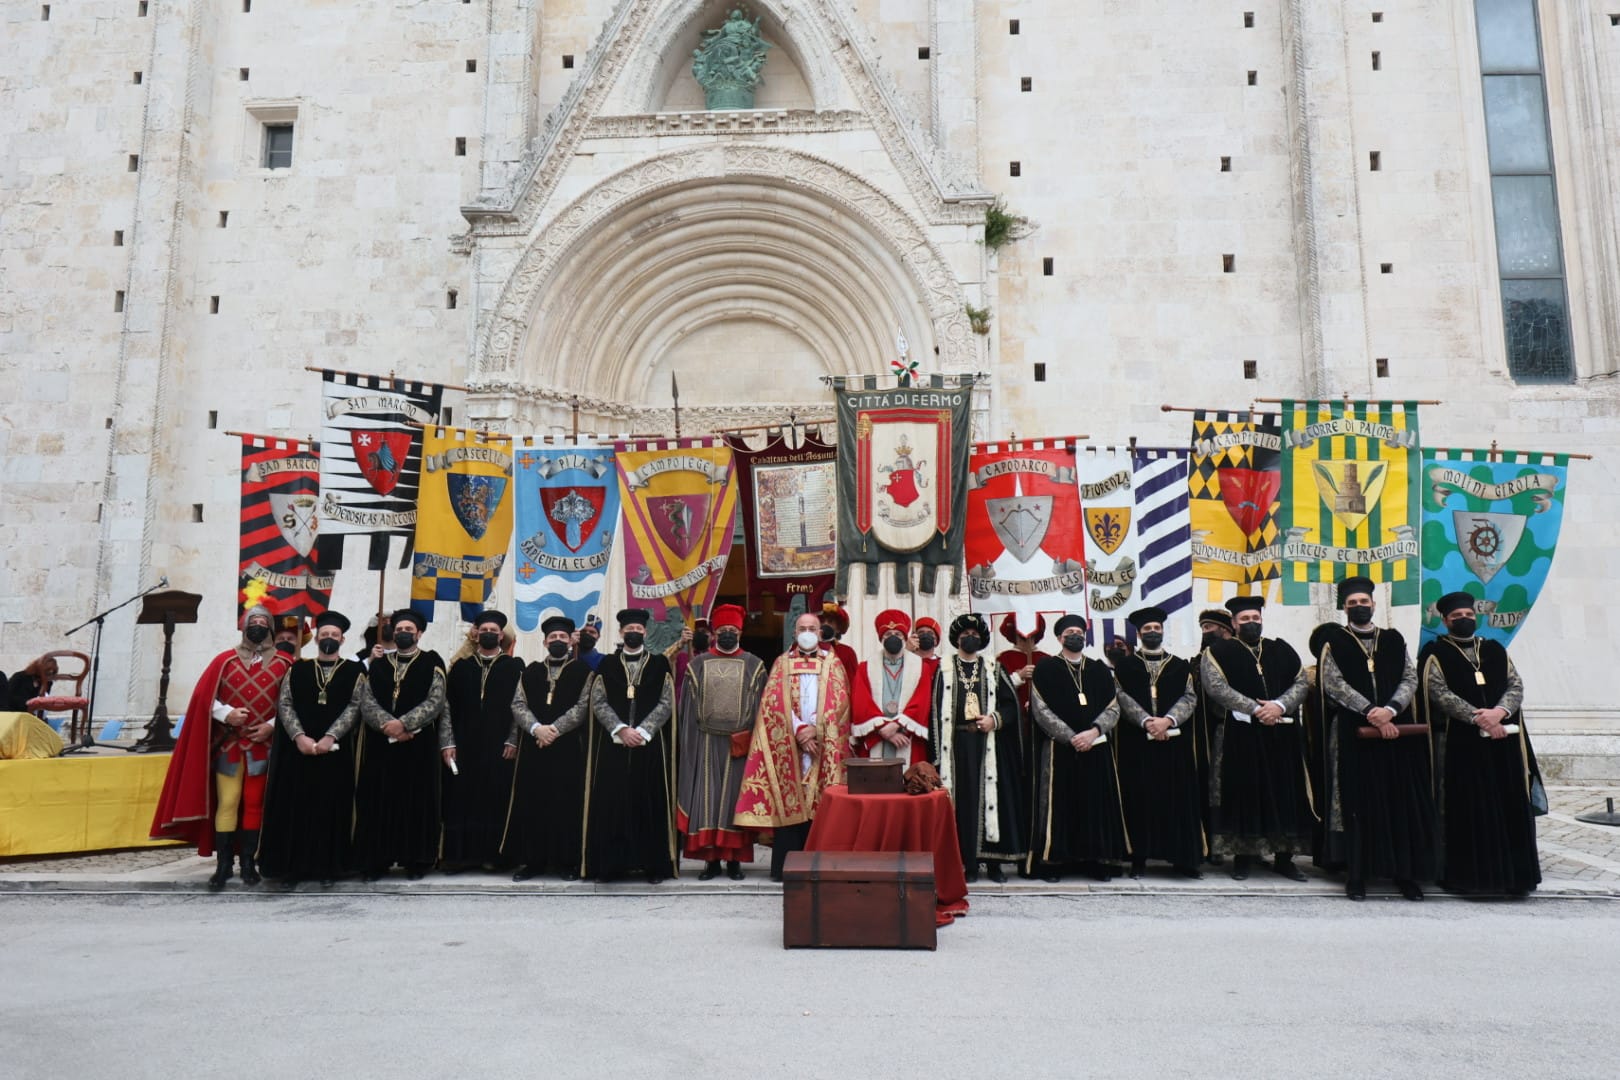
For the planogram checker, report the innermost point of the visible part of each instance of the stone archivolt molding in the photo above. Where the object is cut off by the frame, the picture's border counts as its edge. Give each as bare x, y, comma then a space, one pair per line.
750, 122
947, 191
520, 398
572, 231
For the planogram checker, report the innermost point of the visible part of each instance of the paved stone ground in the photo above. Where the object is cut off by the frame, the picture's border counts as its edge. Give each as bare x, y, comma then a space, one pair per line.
1577, 859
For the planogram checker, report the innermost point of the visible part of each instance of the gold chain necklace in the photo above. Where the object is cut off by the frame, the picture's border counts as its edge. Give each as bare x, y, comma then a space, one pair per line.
1372, 666
972, 706
399, 677
483, 674
1075, 676
1474, 659
323, 678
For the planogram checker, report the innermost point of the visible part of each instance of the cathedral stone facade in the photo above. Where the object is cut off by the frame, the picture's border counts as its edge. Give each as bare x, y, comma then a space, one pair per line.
1202, 203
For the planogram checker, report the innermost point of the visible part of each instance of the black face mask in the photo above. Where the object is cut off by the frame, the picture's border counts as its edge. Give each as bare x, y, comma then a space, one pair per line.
1250, 633
828, 633
927, 641
404, 639
1152, 641
488, 640
256, 633
633, 639
1210, 637
1074, 642
700, 641
1463, 628
329, 646
727, 639
893, 644
587, 643
969, 643
1359, 616
557, 650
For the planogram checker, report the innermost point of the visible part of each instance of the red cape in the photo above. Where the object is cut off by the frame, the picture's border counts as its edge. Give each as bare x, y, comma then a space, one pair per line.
185, 808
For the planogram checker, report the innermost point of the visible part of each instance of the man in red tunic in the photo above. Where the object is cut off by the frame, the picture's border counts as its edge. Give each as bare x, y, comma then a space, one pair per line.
834, 625
213, 795
892, 697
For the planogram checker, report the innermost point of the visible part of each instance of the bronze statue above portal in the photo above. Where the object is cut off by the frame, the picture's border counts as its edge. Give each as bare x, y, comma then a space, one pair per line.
727, 65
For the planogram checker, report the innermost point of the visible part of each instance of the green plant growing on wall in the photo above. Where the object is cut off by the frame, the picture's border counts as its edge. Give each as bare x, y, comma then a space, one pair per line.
1002, 227
978, 318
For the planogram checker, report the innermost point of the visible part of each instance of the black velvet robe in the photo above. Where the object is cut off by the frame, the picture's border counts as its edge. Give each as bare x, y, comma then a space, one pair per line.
1260, 794
1159, 781
968, 776
309, 799
396, 796
545, 822
630, 806
474, 800
1078, 817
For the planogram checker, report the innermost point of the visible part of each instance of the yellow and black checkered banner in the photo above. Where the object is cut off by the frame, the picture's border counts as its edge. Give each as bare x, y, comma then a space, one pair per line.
1233, 483
463, 519
1350, 495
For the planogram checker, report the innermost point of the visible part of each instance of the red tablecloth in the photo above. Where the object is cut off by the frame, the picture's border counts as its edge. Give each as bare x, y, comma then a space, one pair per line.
846, 822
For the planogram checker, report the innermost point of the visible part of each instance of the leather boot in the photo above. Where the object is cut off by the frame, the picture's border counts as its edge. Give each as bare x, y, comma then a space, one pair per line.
711, 870
995, 873
249, 845
224, 851
1284, 866
734, 870
1240, 867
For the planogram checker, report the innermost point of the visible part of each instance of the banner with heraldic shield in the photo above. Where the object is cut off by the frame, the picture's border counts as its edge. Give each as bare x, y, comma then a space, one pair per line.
1026, 544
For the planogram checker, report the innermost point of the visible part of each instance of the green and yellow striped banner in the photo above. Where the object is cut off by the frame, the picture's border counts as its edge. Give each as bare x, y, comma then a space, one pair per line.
1350, 495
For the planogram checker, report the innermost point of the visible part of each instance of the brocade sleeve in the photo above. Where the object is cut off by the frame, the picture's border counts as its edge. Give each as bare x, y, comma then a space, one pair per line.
1339, 691
1452, 707
1402, 697
1108, 719
371, 711
1218, 690
1129, 707
654, 721
1295, 695
1513, 700
1048, 721
575, 716
523, 720
1184, 707
345, 721
601, 709
286, 713
430, 710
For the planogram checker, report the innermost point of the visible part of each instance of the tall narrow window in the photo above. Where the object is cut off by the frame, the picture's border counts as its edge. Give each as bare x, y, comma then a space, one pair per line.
1529, 252
278, 146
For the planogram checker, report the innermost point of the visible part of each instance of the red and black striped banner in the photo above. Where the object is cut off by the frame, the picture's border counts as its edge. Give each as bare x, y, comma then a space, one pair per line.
280, 502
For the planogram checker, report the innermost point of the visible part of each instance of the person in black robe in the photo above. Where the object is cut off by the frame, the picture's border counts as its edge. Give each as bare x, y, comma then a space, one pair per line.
1158, 752
1214, 624
1377, 801
309, 794
1485, 771
476, 795
1260, 794
975, 733
1078, 818
545, 818
629, 800
396, 813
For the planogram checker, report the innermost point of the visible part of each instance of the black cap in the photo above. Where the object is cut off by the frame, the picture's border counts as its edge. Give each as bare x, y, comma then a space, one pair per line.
1215, 615
1068, 621
972, 621
1245, 603
1350, 586
556, 624
490, 616
410, 615
634, 615
1142, 616
332, 618
1455, 601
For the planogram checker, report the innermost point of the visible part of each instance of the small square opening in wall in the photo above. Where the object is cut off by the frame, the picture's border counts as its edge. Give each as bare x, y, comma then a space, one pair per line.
1254, 78
45, 13
136, 78
461, 146
1614, 20
1386, 268
1046, 267
1026, 84
241, 74
568, 60
447, 415
1248, 20
1378, 16
1012, 26
452, 298
213, 419
140, 10
1375, 160
247, 6
1015, 168
1251, 369
134, 163
1381, 365
224, 218
213, 305
1040, 372
472, 67
1228, 264
118, 238
196, 513
1226, 164
108, 424
922, 52
1377, 60
118, 300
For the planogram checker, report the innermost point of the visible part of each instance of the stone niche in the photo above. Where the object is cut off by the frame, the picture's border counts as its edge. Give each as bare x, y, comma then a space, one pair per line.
674, 89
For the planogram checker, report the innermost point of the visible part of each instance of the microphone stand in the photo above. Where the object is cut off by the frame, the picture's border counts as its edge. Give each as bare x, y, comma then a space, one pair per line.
86, 741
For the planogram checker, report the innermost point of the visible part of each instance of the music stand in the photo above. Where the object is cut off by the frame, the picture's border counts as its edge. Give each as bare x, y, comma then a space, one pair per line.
167, 609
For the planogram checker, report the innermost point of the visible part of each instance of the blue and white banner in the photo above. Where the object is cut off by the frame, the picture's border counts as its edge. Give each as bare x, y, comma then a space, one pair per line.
567, 510
1164, 527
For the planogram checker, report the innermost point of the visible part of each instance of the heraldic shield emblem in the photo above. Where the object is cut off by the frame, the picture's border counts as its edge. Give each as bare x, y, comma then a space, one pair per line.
1020, 523
295, 514
899, 456
1350, 488
1249, 495
1487, 540
381, 456
1108, 526
679, 521
572, 512
474, 499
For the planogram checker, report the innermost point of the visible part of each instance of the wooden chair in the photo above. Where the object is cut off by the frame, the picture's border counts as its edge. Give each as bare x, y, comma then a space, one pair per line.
76, 702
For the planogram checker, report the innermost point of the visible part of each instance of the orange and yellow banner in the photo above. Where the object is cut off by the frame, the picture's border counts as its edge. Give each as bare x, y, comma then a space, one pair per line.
680, 506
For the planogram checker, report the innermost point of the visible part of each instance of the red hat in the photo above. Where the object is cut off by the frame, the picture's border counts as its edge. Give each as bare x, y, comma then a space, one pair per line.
833, 613
727, 615
893, 620
927, 622
1009, 628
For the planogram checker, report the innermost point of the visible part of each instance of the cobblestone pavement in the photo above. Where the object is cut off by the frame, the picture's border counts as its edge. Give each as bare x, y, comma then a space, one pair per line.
1577, 859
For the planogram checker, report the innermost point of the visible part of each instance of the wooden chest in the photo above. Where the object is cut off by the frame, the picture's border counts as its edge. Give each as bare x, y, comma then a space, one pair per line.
858, 900
866, 776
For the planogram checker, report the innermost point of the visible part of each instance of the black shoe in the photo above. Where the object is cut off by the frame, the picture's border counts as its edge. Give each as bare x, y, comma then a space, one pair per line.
971, 873
776, 876
734, 870
223, 855
327, 883
1284, 865
1051, 877
1410, 889
415, 873
289, 885
1138, 867
1216, 860
1240, 868
570, 874
1190, 872
1100, 871
524, 874
995, 873
372, 875
711, 870
655, 879
1519, 892
247, 843
1355, 890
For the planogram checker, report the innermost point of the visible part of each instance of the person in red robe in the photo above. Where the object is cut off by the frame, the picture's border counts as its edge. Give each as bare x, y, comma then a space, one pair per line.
213, 794
892, 697
834, 625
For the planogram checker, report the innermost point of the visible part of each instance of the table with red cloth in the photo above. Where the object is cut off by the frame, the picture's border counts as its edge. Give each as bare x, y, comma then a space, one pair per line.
846, 822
